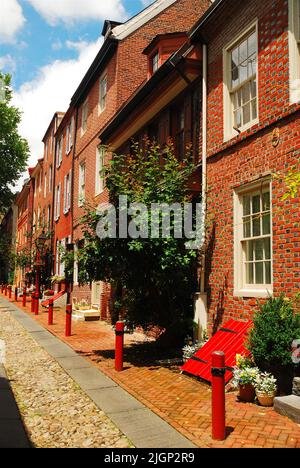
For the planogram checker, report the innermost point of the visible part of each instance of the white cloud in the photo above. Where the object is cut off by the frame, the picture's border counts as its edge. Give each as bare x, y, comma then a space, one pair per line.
49, 92
70, 11
8, 64
11, 20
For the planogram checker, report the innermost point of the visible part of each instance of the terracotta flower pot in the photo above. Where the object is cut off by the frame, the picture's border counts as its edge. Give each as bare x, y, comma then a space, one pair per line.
266, 399
247, 393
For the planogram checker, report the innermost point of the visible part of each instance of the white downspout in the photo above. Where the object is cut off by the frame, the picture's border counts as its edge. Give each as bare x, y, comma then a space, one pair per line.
201, 299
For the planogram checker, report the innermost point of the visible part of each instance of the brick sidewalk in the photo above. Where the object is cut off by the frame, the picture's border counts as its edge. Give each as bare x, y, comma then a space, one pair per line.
181, 401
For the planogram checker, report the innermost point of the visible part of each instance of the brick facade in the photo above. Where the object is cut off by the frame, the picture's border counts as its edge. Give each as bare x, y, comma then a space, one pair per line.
250, 156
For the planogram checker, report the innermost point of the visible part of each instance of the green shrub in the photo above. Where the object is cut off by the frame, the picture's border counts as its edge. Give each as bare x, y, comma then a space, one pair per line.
276, 325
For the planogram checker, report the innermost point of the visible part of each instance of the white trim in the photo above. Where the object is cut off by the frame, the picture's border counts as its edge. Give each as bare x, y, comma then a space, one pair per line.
102, 77
240, 288
124, 30
85, 105
228, 131
294, 55
99, 181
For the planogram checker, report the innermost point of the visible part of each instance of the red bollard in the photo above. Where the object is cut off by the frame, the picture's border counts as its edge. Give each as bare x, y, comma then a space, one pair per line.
119, 346
5, 290
68, 320
36, 303
2, 288
50, 312
9, 292
16, 294
24, 297
218, 396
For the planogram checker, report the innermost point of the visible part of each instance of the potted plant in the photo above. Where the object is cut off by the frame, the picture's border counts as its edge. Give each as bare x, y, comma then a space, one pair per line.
244, 379
265, 388
275, 326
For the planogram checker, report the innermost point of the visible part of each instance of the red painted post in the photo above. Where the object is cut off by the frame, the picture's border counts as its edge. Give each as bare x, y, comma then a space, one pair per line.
50, 312
119, 346
24, 297
218, 396
2, 288
9, 292
68, 320
16, 294
36, 303
5, 290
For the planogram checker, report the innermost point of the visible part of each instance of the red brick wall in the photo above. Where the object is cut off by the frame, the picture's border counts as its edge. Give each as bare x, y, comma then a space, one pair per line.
248, 157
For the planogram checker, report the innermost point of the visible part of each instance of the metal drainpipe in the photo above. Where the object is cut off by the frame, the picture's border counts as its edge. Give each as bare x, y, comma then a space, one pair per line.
204, 155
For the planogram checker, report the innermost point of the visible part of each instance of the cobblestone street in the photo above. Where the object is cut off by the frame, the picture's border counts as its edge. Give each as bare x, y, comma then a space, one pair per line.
55, 411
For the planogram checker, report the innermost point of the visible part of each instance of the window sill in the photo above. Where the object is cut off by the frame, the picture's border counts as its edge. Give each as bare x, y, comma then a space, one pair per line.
254, 293
236, 134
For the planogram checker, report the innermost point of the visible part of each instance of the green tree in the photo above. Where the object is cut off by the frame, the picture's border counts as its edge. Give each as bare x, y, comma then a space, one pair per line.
154, 279
14, 150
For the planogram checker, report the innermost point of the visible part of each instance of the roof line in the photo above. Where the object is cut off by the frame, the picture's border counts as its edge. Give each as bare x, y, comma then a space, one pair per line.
196, 29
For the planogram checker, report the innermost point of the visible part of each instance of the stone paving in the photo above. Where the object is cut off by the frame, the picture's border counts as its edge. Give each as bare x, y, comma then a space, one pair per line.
55, 411
181, 401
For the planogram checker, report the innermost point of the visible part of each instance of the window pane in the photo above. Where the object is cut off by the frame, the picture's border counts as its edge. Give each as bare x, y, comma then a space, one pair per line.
254, 109
250, 251
246, 93
266, 224
250, 273
246, 205
246, 114
256, 204
259, 250
259, 273
256, 225
243, 51
247, 228
266, 203
238, 118
268, 274
252, 44
253, 88
243, 69
267, 248
234, 76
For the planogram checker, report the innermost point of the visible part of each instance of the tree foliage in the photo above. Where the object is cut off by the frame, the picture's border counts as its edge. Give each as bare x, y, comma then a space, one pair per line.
14, 150
154, 278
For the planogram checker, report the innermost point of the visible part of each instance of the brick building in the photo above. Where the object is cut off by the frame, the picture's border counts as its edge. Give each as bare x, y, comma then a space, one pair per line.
252, 133
118, 71
23, 241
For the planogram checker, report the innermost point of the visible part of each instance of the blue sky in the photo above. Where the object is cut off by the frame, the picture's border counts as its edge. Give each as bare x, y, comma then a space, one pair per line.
47, 45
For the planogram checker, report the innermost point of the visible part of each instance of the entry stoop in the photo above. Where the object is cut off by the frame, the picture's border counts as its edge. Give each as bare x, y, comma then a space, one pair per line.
288, 406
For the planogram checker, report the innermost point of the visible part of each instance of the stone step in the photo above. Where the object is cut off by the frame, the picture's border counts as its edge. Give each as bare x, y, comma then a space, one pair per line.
288, 406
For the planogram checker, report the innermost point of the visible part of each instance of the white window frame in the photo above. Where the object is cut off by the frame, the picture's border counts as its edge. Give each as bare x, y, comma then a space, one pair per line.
45, 185
84, 116
50, 177
228, 114
57, 202
67, 193
100, 161
75, 272
294, 51
69, 136
59, 155
241, 288
81, 188
102, 97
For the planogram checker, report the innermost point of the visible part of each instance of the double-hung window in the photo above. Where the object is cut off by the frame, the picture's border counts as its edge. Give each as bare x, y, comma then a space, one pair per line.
155, 62
67, 193
59, 152
81, 192
100, 182
253, 241
241, 87
103, 93
84, 117
57, 203
69, 136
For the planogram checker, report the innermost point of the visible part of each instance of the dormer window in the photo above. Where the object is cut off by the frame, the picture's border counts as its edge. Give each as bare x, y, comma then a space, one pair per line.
155, 61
